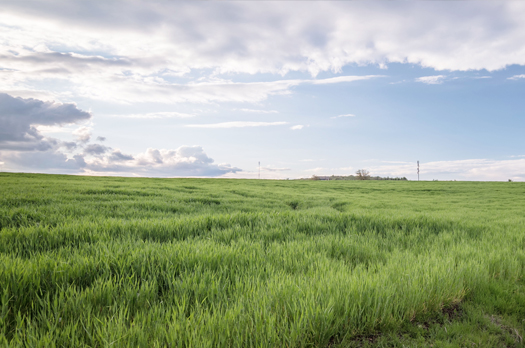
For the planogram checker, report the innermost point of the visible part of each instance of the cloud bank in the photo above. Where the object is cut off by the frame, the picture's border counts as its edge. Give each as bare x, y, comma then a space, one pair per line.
183, 161
24, 148
96, 159
148, 54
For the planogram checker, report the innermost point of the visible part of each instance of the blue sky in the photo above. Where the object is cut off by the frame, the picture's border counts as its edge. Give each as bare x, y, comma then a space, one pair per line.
209, 89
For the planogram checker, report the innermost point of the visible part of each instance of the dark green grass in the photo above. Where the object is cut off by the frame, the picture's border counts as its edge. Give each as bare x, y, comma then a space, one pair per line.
91, 261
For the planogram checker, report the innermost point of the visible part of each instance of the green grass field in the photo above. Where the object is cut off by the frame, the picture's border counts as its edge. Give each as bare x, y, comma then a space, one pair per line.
98, 262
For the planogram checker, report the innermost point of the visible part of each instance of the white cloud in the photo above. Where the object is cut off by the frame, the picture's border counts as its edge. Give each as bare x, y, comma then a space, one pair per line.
270, 37
238, 124
346, 115
431, 80
184, 161
124, 73
128, 90
517, 77
124, 90
137, 55
298, 127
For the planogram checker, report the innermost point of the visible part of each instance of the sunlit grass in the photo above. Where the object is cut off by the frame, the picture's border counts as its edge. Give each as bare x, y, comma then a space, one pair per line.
90, 261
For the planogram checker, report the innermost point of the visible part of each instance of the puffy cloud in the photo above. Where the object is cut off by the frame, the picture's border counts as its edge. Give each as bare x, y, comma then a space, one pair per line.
184, 161
517, 77
19, 119
297, 127
99, 138
28, 150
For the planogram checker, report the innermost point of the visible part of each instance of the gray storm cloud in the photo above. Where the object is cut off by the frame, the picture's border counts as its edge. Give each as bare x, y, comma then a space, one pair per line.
19, 118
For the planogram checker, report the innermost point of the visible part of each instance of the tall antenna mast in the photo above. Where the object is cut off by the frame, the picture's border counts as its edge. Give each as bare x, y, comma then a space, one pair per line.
417, 170
259, 169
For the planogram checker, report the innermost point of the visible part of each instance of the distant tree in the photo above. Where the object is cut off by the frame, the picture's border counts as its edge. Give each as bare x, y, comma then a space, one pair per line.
362, 174
315, 177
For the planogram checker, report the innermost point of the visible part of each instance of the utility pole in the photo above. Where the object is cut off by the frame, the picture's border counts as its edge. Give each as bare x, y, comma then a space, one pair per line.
417, 170
259, 169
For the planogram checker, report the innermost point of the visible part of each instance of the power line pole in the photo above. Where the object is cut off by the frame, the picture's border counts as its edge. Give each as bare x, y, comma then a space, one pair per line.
417, 170
259, 169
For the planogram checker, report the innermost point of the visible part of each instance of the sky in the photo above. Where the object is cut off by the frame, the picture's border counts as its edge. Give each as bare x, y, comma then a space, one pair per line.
213, 88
